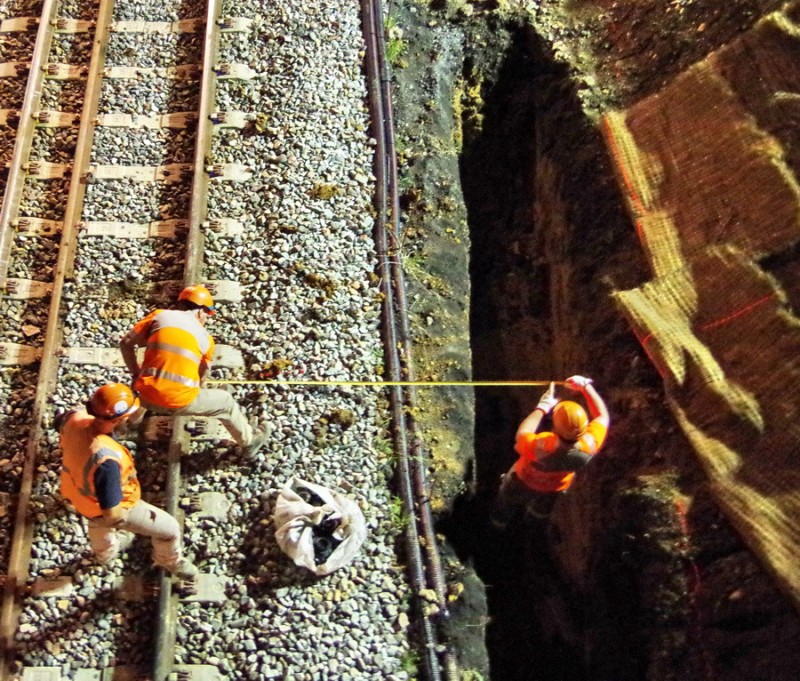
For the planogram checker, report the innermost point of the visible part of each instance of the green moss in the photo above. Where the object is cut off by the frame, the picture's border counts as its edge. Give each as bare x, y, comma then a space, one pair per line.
274, 367
471, 675
394, 51
397, 514
458, 113
322, 283
325, 191
260, 122
342, 417
395, 44
409, 661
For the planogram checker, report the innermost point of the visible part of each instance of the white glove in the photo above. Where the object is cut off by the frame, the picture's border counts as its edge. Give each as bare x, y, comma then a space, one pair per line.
578, 382
548, 400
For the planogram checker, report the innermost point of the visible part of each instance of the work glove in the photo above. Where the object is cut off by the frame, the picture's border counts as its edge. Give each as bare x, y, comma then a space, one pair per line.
578, 382
548, 400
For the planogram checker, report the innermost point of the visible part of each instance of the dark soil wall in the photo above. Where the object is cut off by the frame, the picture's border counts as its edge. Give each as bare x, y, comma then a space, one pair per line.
638, 576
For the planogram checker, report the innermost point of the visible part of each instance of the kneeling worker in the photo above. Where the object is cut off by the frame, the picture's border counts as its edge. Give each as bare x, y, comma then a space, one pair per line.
178, 353
548, 461
98, 477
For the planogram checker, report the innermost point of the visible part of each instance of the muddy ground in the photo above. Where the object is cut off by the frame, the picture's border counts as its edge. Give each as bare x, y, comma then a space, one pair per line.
515, 237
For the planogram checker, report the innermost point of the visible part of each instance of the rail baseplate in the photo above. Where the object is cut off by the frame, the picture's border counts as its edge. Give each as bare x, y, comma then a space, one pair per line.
231, 119
56, 119
235, 71
220, 289
38, 226
42, 170
234, 24
208, 505
170, 173
159, 428
195, 672
223, 226
9, 115
41, 674
134, 588
108, 674
194, 25
235, 172
65, 71
16, 354
177, 120
25, 289
203, 589
19, 24
56, 587
224, 355
166, 229
181, 72
14, 69
64, 25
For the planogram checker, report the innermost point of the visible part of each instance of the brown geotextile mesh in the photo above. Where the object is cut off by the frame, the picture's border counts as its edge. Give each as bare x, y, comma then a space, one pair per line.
707, 170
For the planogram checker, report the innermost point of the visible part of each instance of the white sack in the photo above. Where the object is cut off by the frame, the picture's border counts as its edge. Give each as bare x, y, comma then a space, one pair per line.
295, 519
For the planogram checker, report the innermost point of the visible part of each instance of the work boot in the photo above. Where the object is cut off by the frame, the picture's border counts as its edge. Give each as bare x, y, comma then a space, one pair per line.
124, 539
184, 569
499, 525
261, 434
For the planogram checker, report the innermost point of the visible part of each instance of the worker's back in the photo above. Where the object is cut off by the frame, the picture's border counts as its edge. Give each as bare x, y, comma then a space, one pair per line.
176, 345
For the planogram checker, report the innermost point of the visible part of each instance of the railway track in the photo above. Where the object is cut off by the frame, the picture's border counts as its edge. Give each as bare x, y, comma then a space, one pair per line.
225, 144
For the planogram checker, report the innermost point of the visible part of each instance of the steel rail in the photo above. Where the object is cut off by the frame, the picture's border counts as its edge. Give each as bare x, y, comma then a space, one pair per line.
22, 145
397, 360
21, 541
165, 638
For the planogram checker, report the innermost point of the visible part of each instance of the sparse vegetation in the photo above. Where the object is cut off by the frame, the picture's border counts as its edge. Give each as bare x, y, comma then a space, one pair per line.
395, 44
397, 514
409, 662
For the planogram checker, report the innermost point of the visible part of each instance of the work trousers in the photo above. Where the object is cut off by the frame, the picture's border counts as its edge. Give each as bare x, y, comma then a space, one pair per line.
217, 403
515, 495
144, 519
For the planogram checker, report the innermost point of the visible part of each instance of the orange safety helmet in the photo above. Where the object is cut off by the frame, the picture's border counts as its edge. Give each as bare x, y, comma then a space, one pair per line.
112, 401
200, 296
569, 420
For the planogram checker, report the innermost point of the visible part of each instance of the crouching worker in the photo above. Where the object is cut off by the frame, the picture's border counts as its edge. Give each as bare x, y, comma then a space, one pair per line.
98, 476
178, 353
548, 461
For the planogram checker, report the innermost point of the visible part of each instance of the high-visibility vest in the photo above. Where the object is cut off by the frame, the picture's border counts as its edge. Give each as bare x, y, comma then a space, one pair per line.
535, 448
176, 345
82, 453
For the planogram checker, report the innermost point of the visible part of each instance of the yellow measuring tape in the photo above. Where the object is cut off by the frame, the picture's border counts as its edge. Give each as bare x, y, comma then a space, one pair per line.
381, 384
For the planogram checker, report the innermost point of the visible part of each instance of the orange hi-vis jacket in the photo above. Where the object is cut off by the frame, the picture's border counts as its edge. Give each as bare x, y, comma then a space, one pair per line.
534, 447
83, 452
176, 346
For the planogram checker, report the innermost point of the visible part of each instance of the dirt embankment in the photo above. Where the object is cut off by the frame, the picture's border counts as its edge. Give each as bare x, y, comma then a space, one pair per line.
516, 237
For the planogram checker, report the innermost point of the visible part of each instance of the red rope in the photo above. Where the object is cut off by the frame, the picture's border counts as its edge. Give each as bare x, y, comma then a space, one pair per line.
695, 582
723, 320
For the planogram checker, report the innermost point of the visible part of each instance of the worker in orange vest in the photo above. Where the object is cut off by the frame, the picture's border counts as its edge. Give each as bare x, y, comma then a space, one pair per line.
548, 461
98, 477
178, 353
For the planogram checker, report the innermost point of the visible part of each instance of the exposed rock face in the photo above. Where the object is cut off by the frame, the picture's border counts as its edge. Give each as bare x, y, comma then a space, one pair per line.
639, 575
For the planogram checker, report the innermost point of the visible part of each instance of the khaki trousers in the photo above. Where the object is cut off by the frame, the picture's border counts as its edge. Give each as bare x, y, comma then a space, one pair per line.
217, 403
144, 519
